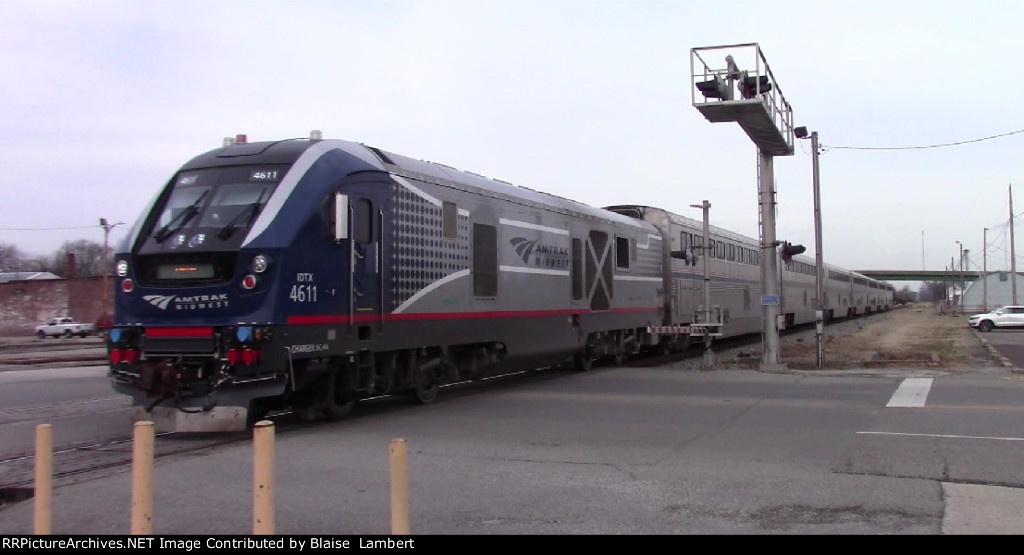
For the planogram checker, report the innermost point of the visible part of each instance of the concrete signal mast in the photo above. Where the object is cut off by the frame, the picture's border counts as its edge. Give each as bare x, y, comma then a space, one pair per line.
744, 90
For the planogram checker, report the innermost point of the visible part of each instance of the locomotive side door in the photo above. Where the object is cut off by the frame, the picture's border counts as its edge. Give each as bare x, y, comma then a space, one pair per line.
365, 230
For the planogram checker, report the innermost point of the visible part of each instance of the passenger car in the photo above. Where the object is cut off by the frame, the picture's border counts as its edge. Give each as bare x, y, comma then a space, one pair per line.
1005, 317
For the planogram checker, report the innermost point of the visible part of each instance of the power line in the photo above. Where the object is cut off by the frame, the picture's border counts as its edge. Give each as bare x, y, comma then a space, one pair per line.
47, 228
926, 146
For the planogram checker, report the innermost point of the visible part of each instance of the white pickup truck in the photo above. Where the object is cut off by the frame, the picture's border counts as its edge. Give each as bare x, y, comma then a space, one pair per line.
64, 327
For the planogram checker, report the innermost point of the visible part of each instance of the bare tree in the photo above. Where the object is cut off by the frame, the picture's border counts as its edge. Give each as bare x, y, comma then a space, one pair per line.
13, 259
42, 263
934, 291
904, 295
88, 259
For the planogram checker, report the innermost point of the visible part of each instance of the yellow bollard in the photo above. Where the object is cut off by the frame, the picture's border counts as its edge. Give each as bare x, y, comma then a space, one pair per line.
142, 478
44, 478
399, 487
263, 478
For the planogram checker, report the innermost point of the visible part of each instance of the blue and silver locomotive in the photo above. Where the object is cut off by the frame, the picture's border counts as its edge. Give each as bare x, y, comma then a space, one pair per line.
305, 274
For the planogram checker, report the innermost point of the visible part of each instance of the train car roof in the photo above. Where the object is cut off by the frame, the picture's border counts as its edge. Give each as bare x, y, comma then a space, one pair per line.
289, 150
443, 174
270, 152
677, 218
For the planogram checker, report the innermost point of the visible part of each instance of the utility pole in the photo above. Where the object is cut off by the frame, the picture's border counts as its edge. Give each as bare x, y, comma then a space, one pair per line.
965, 264
106, 267
819, 261
106, 270
709, 356
984, 270
952, 278
1013, 253
961, 303
945, 286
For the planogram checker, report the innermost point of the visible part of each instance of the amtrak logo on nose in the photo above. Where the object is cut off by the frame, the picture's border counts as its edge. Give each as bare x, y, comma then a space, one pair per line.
188, 303
159, 301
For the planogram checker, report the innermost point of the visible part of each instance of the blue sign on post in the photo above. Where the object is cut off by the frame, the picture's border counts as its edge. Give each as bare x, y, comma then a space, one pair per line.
769, 300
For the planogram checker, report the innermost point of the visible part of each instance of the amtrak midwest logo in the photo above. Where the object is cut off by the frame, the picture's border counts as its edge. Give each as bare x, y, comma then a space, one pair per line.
187, 303
535, 253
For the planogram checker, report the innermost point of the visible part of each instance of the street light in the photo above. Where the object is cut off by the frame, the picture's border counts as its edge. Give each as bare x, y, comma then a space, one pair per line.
106, 269
819, 264
961, 276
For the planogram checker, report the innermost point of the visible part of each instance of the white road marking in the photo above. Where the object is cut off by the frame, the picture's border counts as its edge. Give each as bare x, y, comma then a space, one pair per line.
947, 436
913, 392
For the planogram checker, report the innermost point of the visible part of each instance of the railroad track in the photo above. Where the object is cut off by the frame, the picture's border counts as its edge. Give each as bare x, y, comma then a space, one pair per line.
76, 463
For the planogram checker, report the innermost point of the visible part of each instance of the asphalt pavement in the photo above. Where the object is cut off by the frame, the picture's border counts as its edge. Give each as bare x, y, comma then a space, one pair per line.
613, 471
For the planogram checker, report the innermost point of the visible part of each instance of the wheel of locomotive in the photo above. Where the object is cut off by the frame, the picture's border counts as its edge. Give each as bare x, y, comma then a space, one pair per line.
41, 334
583, 361
619, 358
339, 407
68, 334
425, 386
338, 400
341, 402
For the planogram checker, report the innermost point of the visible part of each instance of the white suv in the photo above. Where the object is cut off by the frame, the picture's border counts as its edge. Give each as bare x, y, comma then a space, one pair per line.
1006, 317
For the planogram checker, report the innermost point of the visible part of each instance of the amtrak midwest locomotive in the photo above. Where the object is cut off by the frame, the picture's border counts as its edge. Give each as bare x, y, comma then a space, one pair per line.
305, 274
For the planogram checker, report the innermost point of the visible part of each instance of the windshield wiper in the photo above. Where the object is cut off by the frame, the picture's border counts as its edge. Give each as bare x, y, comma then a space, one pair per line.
184, 216
252, 210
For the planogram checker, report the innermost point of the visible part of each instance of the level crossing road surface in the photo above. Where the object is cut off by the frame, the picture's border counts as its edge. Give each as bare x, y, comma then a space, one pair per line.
1008, 345
617, 450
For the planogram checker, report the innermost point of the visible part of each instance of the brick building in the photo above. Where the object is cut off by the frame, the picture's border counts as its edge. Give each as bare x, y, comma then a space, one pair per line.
24, 304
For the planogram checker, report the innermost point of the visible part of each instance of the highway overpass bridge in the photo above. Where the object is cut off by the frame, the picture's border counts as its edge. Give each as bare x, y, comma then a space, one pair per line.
921, 275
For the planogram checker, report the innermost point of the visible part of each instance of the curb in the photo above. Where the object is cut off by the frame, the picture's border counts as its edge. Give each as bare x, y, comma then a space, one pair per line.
1005, 362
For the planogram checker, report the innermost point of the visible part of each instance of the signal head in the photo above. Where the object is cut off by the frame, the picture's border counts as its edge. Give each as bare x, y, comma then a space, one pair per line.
753, 85
715, 87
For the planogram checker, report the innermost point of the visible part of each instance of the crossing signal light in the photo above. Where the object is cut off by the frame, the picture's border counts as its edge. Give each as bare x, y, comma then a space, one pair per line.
753, 85
789, 250
715, 88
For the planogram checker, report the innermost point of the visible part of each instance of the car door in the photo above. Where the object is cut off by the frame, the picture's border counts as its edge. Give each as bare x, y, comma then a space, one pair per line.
1015, 316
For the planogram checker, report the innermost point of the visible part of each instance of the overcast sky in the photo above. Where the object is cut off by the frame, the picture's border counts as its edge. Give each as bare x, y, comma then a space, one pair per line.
590, 100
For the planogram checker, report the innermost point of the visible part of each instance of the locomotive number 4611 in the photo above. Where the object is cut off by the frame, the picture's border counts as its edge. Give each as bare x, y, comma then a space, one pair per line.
303, 294
270, 175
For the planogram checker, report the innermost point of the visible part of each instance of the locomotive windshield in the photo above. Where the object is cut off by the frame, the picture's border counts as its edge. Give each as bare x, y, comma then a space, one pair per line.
213, 204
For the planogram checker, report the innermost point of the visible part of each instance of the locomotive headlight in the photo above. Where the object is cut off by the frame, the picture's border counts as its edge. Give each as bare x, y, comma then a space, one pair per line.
260, 263
122, 268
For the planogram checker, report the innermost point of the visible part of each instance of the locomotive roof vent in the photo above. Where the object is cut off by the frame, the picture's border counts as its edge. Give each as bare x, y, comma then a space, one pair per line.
316, 135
